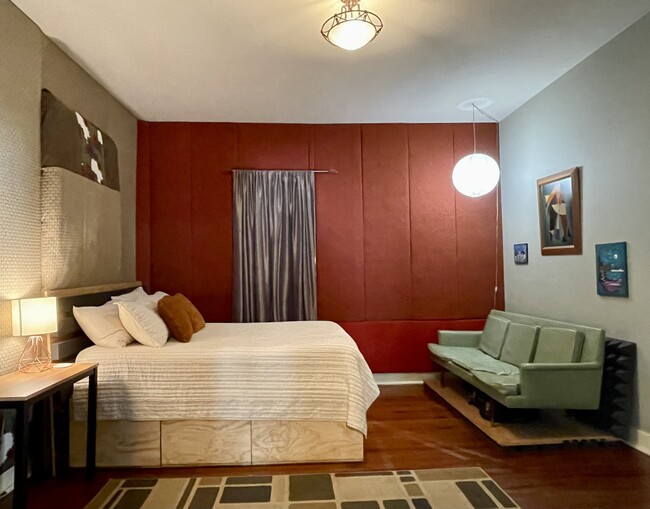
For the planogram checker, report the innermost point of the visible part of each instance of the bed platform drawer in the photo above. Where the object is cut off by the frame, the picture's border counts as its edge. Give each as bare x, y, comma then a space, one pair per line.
119, 443
276, 442
190, 442
208, 442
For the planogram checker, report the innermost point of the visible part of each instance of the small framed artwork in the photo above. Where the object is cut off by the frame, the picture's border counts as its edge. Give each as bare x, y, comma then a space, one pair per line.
558, 198
521, 254
611, 269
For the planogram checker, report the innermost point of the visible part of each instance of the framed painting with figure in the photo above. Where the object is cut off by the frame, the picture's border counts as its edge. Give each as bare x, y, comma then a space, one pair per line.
611, 269
560, 228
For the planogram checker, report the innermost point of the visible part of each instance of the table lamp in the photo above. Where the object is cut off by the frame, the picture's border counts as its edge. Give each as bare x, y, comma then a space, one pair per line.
33, 317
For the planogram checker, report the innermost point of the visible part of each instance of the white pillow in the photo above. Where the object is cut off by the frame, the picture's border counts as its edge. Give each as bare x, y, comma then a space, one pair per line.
133, 296
139, 295
143, 323
102, 325
157, 296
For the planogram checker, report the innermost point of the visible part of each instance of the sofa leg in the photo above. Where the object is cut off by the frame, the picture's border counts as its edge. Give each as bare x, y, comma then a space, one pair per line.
491, 411
442, 378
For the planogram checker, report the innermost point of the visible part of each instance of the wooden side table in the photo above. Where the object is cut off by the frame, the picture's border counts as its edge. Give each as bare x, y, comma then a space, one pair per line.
20, 391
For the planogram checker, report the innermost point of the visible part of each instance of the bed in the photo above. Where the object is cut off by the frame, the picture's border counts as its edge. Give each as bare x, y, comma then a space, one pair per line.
235, 394
262, 393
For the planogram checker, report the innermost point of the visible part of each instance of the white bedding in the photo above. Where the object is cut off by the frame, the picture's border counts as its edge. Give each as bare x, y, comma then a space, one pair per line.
231, 371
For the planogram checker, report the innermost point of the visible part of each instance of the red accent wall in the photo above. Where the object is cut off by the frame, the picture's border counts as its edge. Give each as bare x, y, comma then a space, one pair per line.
400, 254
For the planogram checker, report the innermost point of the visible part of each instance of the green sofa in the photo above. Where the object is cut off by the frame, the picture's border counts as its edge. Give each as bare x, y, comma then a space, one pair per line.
523, 361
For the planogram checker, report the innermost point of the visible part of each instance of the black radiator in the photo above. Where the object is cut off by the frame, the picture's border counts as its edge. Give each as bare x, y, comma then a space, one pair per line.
617, 394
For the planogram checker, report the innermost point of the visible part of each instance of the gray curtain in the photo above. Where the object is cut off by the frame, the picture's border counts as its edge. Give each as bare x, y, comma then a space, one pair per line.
274, 242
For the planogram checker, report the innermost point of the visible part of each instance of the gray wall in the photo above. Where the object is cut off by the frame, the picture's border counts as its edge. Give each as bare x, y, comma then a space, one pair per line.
596, 116
29, 61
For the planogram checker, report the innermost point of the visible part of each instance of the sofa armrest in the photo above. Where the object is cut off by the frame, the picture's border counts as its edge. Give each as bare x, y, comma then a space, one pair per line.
459, 338
570, 385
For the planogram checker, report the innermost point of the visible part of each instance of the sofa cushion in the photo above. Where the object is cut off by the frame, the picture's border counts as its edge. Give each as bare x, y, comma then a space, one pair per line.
505, 384
557, 345
519, 345
494, 333
472, 359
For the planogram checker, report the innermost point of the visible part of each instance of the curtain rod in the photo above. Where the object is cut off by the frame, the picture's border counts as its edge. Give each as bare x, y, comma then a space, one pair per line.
261, 169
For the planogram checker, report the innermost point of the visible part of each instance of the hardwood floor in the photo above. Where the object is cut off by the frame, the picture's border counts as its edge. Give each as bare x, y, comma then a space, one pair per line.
410, 428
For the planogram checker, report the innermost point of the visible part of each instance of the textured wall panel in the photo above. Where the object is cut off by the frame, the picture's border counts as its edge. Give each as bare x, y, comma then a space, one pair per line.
434, 260
11, 350
20, 224
273, 146
386, 225
20, 212
386, 222
80, 92
81, 231
476, 232
401, 346
213, 154
171, 209
143, 208
28, 62
339, 223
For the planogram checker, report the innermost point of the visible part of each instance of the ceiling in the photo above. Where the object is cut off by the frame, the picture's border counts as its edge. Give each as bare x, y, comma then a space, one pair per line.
265, 60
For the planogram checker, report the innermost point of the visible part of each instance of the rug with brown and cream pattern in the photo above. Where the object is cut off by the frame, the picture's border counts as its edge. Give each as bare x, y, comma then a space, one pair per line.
452, 488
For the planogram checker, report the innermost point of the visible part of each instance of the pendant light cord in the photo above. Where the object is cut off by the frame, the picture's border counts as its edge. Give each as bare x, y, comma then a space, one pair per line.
485, 113
496, 249
496, 242
474, 125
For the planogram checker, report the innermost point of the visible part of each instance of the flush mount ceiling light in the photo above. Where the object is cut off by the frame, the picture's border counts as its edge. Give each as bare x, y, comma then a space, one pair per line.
476, 174
352, 28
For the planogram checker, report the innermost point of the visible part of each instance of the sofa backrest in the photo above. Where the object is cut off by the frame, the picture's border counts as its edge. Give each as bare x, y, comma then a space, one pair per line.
493, 336
558, 344
520, 343
593, 347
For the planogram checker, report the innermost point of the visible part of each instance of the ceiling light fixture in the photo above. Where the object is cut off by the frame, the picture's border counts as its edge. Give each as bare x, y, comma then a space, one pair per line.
476, 174
352, 28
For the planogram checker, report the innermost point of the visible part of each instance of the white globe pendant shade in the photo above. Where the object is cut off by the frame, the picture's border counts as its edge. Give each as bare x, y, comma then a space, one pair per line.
475, 175
352, 34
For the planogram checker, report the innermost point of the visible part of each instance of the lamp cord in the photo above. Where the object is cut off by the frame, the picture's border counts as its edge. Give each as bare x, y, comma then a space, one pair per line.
496, 242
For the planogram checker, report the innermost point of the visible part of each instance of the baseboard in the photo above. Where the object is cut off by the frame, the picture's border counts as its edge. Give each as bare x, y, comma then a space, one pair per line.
401, 378
640, 440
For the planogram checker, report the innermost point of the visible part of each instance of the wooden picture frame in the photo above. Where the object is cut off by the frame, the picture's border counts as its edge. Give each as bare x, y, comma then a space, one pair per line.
560, 222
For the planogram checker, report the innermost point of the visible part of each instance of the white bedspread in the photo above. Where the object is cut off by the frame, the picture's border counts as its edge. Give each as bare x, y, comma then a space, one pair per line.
230, 371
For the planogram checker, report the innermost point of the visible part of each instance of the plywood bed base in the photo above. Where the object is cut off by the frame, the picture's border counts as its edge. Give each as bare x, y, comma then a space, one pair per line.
195, 443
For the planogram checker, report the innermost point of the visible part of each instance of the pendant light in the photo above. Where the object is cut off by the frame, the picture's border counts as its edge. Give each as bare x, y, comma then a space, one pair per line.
476, 174
352, 28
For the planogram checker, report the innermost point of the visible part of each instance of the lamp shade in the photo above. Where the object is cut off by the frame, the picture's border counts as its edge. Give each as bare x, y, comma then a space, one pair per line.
352, 28
34, 316
352, 34
475, 175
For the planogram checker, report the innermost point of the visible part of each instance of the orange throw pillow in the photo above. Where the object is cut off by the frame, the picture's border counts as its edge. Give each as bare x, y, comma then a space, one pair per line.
195, 315
173, 312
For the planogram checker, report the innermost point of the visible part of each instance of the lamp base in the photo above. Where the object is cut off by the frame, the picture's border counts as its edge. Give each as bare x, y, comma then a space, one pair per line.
36, 356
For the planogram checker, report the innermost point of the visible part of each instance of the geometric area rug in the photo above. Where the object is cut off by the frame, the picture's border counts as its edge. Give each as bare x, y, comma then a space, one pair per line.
449, 488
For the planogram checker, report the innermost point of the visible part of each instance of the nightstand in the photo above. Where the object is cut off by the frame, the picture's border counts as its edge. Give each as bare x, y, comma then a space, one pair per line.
20, 391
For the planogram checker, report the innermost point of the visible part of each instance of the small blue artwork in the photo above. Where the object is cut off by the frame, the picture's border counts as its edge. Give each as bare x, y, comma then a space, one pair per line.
521, 254
611, 269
